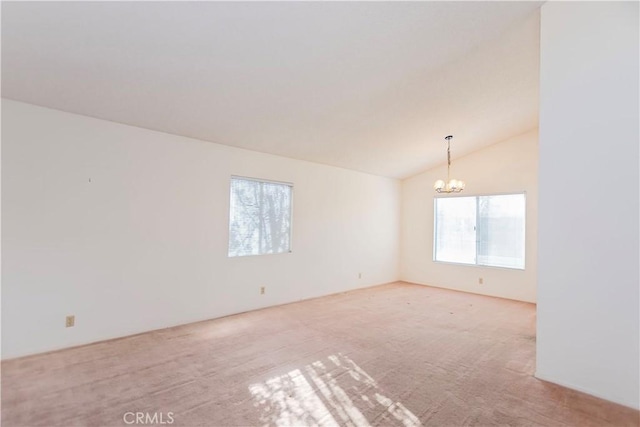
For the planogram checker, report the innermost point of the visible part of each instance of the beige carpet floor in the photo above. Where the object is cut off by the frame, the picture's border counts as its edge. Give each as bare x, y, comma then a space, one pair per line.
392, 355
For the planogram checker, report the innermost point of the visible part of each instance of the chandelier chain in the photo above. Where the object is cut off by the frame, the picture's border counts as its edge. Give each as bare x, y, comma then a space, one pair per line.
448, 159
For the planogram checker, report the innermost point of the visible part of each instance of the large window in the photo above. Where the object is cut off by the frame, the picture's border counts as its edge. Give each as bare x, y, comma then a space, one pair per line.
482, 230
259, 217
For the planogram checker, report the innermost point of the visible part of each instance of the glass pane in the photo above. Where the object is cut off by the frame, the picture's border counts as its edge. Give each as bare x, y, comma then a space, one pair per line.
455, 234
501, 224
276, 208
259, 217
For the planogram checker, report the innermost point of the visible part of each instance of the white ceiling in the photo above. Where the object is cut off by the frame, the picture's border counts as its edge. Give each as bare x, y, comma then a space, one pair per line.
371, 86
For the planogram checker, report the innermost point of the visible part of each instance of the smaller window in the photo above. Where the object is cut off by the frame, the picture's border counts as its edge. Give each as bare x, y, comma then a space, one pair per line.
259, 217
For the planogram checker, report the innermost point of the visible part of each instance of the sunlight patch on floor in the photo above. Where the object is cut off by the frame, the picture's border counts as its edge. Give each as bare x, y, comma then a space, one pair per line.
333, 392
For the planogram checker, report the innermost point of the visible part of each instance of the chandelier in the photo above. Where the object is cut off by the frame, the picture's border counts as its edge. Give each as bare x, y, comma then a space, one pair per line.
452, 185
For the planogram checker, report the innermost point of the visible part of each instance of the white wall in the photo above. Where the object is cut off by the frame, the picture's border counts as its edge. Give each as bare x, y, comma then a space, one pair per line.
508, 166
588, 316
144, 244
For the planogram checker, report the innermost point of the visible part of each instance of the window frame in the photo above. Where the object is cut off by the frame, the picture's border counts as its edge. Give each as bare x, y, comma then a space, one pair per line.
476, 197
267, 181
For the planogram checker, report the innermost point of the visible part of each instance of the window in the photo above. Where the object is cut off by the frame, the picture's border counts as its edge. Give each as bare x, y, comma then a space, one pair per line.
259, 217
482, 230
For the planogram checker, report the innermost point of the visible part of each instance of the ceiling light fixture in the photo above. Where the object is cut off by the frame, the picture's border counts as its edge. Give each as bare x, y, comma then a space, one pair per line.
452, 185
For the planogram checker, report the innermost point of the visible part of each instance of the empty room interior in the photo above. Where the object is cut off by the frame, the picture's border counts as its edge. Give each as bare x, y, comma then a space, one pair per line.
320, 214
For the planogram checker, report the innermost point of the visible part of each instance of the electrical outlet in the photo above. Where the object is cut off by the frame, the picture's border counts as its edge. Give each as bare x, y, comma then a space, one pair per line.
480, 280
261, 290
70, 321
359, 275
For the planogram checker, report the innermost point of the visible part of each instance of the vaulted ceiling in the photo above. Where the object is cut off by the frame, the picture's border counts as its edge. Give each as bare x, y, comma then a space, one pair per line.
369, 86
